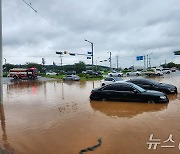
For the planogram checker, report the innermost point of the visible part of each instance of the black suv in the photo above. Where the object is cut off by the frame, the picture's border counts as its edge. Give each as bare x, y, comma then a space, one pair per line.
126, 91
154, 85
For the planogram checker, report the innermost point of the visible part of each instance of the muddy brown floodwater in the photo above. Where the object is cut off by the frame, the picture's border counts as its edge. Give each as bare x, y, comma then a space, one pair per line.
55, 117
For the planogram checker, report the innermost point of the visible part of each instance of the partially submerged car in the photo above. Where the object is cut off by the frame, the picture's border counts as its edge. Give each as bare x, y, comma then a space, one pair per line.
154, 85
72, 78
51, 73
133, 73
126, 91
110, 80
166, 70
114, 73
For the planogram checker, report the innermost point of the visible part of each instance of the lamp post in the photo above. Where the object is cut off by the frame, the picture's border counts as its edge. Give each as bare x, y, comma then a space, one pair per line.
92, 52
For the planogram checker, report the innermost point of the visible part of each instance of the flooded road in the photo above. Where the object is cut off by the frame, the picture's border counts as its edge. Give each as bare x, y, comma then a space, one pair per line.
55, 117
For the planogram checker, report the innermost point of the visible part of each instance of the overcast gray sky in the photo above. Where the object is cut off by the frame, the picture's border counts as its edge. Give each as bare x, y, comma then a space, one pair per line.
127, 28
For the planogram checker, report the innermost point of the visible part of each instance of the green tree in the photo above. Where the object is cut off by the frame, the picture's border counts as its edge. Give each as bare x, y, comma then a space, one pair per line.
79, 67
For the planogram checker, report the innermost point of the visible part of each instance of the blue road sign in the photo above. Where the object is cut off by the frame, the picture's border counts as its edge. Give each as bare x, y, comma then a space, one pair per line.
139, 58
176, 52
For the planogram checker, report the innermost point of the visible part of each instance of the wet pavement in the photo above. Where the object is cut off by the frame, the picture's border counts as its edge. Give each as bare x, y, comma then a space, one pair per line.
55, 117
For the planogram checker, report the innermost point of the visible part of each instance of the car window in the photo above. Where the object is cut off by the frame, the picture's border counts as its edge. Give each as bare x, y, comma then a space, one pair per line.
109, 87
118, 78
126, 88
143, 82
119, 87
109, 79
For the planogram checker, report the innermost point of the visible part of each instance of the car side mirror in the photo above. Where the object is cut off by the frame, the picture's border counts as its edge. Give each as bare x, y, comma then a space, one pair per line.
113, 80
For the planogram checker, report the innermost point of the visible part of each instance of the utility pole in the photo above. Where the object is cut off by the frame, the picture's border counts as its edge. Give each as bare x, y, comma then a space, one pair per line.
150, 62
60, 55
117, 58
1, 68
144, 62
110, 60
147, 61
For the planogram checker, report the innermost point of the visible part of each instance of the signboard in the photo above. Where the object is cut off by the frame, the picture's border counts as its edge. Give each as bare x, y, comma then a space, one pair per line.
139, 58
176, 52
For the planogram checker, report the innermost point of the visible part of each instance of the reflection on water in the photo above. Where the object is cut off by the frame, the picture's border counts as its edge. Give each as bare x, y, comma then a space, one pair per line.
125, 109
4, 146
48, 117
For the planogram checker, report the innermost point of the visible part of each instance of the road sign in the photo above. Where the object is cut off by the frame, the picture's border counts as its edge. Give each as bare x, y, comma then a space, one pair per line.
139, 58
176, 52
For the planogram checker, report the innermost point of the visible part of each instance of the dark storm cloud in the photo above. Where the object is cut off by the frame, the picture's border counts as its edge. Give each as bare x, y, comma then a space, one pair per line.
126, 28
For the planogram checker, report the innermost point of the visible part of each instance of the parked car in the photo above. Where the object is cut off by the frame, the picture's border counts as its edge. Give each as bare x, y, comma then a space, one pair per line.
114, 73
51, 73
90, 72
166, 70
154, 85
71, 73
126, 91
110, 80
173, 69
153, 72
72, 77
134, 73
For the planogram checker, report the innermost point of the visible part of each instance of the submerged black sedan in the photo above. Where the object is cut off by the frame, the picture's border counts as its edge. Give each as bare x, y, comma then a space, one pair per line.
154, 85
125, 91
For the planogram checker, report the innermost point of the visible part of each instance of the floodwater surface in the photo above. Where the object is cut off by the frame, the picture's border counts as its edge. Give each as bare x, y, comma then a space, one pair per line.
55, 117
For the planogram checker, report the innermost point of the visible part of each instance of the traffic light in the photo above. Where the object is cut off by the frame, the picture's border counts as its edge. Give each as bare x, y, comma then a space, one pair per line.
65, 52
60, 53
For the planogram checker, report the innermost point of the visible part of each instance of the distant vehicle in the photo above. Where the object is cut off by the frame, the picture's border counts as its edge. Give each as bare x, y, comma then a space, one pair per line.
90, 72
173, 69
51, 73
153, 72
23, 73
110, 80
154, 85
99, 73
71, 73
136, 73
125, 91
166, 70
72, 78
114, 73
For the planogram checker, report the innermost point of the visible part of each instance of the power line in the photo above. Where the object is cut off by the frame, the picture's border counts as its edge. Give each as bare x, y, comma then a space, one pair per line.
29, 4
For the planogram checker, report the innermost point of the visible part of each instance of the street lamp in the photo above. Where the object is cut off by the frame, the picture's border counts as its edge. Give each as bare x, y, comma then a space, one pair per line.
92, 52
